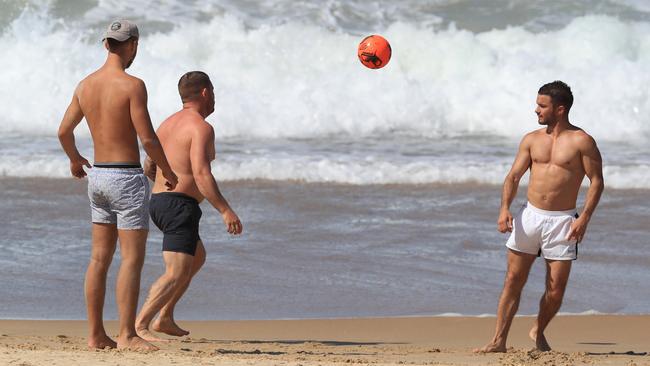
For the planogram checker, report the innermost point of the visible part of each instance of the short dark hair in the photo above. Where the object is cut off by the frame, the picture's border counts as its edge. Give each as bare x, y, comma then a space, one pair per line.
114, 44
192, 83
559, 92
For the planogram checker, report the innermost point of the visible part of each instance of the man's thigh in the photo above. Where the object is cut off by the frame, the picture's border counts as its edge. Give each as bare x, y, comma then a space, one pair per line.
519, 265
132, 243
557, 274
104, 239
178, 264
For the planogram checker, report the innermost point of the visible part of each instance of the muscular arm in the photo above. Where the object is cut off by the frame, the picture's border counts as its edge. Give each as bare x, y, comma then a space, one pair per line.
202, 152
511, 184
593, 166
146, 133
71, 119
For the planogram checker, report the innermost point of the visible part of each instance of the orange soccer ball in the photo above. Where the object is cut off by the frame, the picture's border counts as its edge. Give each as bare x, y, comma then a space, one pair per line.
374, 52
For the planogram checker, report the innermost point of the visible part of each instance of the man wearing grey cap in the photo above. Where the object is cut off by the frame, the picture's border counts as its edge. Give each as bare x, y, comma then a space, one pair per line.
114, 104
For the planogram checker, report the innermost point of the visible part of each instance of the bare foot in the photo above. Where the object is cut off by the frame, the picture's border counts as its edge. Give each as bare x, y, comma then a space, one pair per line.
533, 333
168, 326
148, 336
542, 344
491, 348
135, 344
540, 340
101, 342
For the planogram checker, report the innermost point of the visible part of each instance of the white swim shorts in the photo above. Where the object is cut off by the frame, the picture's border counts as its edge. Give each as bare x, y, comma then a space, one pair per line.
543, 233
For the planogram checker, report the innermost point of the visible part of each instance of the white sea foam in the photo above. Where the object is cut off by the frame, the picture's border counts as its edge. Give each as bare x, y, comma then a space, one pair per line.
279, 78
301, 80
584, 313
340, 170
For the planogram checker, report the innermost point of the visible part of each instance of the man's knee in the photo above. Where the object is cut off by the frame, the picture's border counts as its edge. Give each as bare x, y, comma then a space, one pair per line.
178, 280
556, 281
134, 261
555, 294
179, 274
515, 280
101, 261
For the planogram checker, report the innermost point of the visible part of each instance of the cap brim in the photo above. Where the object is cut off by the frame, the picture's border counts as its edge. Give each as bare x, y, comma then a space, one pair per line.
117, 36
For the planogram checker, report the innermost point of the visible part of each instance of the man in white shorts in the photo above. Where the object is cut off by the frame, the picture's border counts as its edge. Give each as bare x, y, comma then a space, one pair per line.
559, 156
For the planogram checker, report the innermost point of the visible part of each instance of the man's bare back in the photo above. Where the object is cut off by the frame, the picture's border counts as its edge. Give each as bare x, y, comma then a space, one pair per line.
114, 105
183, 133
108, 98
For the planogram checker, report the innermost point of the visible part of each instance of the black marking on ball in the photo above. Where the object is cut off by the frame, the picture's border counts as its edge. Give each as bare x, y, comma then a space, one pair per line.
371, 58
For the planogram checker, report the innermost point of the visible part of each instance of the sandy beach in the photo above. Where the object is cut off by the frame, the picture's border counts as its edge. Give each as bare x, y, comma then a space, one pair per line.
577, 340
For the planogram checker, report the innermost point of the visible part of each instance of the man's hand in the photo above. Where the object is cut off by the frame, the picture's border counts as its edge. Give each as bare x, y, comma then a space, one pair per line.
171, 179
578, 229
150, 169
505, 221
233, 225
77, 167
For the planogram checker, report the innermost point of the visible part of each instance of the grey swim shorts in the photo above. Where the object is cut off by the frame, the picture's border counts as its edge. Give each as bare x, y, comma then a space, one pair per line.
119, 196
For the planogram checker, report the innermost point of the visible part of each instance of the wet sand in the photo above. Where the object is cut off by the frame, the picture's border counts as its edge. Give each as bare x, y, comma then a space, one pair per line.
577, 340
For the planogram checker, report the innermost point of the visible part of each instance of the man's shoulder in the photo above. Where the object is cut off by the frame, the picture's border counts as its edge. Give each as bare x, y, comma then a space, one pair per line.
202, 126
89, 79
119, 79
578, 132
89, 84
535, 133
532, 136
134, 82
183, 119
201, 129
196, 119
581, 138
127, 81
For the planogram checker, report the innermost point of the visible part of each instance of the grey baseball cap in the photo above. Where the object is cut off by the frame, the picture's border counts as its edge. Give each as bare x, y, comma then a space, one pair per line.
121, 30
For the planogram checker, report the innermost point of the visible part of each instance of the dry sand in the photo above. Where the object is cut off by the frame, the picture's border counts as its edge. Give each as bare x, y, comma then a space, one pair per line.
577, 340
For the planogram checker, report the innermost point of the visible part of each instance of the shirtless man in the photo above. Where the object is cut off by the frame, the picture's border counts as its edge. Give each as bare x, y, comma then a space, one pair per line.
559, 156
115, 107
188, 141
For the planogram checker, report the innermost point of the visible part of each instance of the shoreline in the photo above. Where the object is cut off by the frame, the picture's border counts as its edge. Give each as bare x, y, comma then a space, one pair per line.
434, 316
596, 339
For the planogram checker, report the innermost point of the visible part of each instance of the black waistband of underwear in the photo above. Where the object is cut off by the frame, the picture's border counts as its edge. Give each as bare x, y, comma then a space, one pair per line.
117, 165
180, 195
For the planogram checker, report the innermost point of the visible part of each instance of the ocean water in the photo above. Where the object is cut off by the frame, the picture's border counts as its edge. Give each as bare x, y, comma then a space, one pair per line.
368, 192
